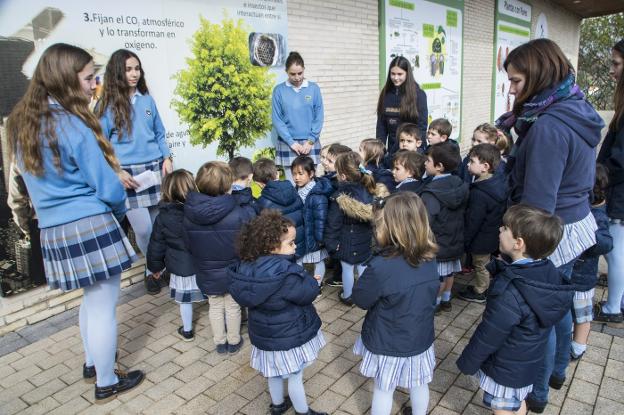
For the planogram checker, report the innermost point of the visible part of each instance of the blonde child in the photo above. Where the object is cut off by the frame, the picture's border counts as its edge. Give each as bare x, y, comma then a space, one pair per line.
372, 152
486, 134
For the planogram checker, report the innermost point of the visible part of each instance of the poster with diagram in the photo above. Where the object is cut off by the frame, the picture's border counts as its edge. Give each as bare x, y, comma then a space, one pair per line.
429, 35
513, 28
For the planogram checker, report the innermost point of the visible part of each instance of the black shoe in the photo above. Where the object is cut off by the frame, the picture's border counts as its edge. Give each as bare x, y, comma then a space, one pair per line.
282, 408
187, 336
152, 285
222, 348
556, 382
234, 348
334, 283
574, 357
446, 306
126, 382
346, 301
89, 373
603, 317
407, 410
535, 406
311, 412
469, 294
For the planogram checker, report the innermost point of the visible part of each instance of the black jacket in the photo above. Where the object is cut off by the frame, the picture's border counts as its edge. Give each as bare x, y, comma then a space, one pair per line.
400, 302
382, 175
445, 200
244, 197
389, 121
279, 294
524, 302
585, 271
349, 232
211, 225
612, 156
281, 195
166, 247
487, 203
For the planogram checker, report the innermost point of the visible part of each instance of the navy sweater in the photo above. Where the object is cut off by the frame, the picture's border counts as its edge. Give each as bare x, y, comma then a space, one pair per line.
400, 302
554, 163
612, 156
279, 294
484, 215
389, 121
524, 302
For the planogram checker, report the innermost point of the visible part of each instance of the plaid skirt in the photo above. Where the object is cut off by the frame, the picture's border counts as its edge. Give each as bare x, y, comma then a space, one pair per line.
284, 155
446, 268
80, 253
501, 397
583, 307
184, 290
150, 196
392, 371
577, 238
284, 363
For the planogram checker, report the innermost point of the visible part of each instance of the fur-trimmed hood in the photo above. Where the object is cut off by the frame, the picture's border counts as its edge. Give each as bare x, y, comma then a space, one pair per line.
355, 201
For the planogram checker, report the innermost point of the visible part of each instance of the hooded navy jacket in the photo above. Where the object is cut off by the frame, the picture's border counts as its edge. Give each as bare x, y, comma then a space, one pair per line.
612, 156
281, 195
585, 271
279, 294
487, 203
315, 214
389, 121
244, 197
445, 200
400, 302
211, 225
524, 301
166, 247
382, 175
555, 160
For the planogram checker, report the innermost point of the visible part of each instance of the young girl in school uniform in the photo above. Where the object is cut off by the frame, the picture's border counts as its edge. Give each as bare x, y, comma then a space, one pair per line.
131, 122
70, 172
401, 279
284, 328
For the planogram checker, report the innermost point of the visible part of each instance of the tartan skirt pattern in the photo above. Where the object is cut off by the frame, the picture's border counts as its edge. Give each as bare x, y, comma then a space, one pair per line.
184, 290
582, 306
577, 238
392, 371
284, 155
501, 397
446, 268
150, 196
80, 253
284, 363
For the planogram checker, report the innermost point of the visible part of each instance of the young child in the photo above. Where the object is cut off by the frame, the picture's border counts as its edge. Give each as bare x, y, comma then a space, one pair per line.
167, 249
280, 195
484, 134
284, 328
526, 299
212, 220
409, 167
400, 280
439, 131
409, 138
484, 216
242, 168
445, 197
585, 272
314, 194
348, 232
372, 152
333, 151
130, 120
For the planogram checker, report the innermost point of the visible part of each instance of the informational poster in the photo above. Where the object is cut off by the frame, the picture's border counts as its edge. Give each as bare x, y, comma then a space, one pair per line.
513, 28
429, 34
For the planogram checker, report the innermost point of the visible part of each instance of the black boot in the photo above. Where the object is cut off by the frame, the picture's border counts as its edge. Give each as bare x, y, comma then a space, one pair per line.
126, 382
282, 408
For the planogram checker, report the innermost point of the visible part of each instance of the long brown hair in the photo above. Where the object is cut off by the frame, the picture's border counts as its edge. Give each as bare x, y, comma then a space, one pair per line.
56, 76
350, 164
408, 90
618, 97
116, 94
402, 228
544, 65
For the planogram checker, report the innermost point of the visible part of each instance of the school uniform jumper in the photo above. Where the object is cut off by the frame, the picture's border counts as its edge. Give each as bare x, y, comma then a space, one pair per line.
389, 121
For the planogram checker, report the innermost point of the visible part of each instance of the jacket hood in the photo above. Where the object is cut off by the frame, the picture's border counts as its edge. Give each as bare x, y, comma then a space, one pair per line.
355, 201
495, 187
581, 117
322, 187
549, 298
207, 210
451, 191
254, 282
280, 192
243, 196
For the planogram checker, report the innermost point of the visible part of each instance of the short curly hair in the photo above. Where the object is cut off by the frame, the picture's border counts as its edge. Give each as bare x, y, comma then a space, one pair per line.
263, 234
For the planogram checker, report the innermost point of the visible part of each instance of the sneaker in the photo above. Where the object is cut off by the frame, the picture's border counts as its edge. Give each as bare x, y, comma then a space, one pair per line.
89, 373
187, 336
446, 306
469, 294
282, 408
534, 405
126, 382
152, 285
603, 317
222, 348
556, 382
346, 301
234, 348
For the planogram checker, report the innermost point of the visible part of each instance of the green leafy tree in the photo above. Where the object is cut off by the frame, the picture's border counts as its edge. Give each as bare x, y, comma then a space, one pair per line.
221, 95
598, 35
